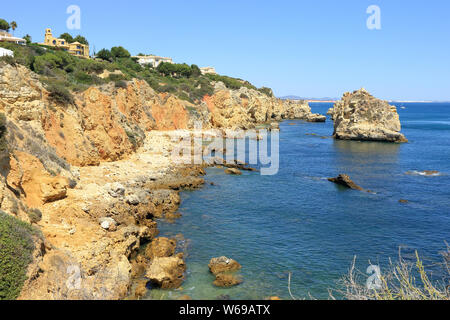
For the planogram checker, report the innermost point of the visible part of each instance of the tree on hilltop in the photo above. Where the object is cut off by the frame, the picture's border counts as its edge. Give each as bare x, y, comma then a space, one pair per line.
120, 52
81, 40
66, 36
105, 54
4, 25
13, 25
27, 38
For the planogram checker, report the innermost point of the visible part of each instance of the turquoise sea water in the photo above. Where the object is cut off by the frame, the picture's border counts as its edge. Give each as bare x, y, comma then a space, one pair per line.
297, 221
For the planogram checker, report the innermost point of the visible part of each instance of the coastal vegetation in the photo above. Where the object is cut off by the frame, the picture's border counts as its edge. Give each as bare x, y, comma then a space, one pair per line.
4, 25
63, 73
16, 248
404, 280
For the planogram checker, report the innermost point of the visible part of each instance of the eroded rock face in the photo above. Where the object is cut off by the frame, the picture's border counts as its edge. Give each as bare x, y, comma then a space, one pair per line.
360, 116
28, 177
245, 108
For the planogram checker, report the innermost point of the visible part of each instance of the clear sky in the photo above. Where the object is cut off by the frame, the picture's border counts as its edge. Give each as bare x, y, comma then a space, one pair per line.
306, 48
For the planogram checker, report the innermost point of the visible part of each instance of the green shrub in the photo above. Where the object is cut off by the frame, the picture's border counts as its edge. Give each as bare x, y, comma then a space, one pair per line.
105, 54
60, 95
266, 91
120, 52
16, 248
121, 84
114, 77
35, 215
8, 60
4, 149
4, 25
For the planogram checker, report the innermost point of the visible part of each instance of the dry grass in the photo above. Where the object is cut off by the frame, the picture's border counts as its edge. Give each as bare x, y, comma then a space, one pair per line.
403, 281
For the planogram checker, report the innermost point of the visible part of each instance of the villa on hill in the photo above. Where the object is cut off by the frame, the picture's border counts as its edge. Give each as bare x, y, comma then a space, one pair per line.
75, 48
208, 70
152, 60
7, 37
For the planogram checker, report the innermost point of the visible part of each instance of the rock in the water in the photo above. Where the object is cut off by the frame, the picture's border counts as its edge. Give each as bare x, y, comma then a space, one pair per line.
227, 280
316, 118
344, 180
167, 272
360, 116
160, 248
428, 173
223, 264
233, 171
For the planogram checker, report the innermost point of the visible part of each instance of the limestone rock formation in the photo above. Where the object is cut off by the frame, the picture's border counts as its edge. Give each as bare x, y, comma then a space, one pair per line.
166, 272
100, 173
360, 116
223, 264
160, 248
245, 108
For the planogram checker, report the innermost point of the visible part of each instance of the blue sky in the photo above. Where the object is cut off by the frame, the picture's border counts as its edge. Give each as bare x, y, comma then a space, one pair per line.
307, 48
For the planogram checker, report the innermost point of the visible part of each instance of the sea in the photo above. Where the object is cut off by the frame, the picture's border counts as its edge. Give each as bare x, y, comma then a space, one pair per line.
298, 223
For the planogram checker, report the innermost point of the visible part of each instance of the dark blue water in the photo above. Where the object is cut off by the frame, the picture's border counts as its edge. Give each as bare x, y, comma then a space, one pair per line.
297, 221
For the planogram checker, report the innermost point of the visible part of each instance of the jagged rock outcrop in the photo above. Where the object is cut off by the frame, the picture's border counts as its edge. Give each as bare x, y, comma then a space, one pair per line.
360, 116
345, 181
245, 108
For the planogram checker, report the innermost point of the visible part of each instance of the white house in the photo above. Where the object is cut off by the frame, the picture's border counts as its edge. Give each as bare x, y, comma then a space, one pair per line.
7, 37
208, 70
5, 52
152, 60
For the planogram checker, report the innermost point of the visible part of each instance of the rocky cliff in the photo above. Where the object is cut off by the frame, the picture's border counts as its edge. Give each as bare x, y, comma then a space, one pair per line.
93, 174
360, 116
245, 108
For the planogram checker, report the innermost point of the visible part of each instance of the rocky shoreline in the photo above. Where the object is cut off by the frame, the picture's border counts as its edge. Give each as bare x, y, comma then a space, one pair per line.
94, 176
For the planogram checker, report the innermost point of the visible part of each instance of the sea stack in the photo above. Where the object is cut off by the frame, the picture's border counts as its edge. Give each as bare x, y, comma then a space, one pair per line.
360, 116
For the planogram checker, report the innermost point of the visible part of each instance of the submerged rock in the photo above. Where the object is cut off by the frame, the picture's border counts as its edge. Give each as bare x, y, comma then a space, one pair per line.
360, 116
428, 173
344, 180
233, 171
227, 280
